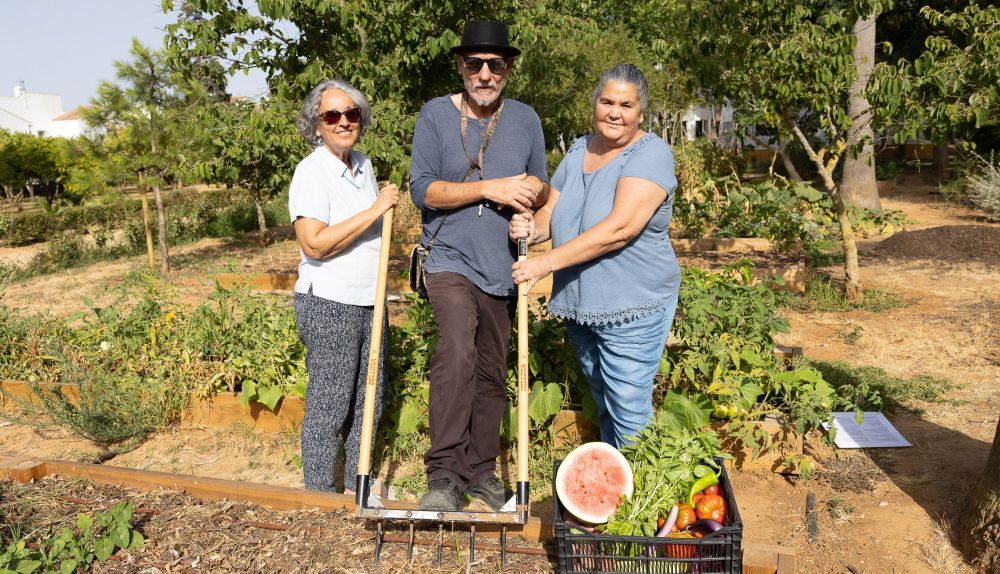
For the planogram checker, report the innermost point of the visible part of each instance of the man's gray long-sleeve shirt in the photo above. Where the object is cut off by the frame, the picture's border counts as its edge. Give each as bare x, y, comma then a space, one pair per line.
473, 240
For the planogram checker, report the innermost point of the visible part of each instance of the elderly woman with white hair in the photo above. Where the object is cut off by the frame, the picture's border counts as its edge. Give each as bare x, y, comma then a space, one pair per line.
615, 277
336, 208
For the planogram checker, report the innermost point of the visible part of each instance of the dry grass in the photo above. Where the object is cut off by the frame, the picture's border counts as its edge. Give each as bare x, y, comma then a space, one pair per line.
939, 553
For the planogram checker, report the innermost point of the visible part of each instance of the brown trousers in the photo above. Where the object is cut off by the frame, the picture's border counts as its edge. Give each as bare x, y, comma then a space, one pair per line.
468, 378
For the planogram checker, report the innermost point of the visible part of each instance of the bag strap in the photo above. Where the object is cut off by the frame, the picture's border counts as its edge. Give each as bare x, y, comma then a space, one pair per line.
478, 165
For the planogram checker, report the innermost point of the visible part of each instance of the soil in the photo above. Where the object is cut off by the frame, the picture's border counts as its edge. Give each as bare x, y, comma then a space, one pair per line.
878, 510
953, 244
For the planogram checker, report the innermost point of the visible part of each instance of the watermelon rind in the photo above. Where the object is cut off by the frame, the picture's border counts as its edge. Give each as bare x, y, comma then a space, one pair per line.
609, 475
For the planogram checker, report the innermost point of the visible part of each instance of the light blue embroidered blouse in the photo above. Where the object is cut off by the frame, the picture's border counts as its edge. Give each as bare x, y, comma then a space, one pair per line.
636, 280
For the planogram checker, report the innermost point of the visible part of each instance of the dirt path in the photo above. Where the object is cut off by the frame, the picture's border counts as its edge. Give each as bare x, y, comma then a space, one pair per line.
889, 510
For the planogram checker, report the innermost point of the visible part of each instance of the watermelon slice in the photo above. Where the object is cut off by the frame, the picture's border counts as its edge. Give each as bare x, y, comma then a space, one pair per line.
592, 480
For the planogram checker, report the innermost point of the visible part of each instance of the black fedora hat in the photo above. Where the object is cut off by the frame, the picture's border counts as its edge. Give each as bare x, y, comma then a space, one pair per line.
485, 36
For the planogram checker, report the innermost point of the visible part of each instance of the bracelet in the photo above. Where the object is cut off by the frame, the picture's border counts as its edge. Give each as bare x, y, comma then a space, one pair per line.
549, 265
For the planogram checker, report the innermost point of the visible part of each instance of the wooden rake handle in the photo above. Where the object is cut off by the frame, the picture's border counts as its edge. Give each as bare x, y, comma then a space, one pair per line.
374, 349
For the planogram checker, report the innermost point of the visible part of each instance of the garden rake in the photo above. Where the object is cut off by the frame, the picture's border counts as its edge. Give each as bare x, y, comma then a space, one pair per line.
370, 505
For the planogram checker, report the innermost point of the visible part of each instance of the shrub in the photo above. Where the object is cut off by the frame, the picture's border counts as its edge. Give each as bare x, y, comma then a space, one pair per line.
983, 187
114, 409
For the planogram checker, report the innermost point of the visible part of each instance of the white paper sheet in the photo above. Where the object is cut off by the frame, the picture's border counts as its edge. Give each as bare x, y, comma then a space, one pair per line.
875, 432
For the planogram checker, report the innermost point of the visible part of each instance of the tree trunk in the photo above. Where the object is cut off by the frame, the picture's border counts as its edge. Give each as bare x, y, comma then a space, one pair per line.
261, 220
786, 161
852, 271
979, 528
161, 225
859, 186
941, 160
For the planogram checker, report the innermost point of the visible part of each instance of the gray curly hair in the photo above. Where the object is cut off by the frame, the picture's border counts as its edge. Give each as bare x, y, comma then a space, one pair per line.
309, 119
628, 74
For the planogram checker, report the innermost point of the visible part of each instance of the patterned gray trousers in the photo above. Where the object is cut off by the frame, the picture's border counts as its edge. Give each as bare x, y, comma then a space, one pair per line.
337, 337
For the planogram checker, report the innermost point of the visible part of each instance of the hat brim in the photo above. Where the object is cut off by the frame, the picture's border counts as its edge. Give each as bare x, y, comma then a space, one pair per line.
505, 50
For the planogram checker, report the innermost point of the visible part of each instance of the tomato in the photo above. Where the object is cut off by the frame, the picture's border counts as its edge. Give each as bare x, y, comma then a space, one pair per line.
697, 496
680, 550
720, 412
685, 516
714, 489
711, 506
732, 411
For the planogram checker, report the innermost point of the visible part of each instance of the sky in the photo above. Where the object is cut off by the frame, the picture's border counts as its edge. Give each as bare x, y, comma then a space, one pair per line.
67, 47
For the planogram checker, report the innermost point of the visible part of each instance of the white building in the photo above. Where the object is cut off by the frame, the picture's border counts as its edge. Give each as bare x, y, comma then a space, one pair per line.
40, 114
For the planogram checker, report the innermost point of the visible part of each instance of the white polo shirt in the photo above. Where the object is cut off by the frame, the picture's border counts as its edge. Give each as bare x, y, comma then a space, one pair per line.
323, 188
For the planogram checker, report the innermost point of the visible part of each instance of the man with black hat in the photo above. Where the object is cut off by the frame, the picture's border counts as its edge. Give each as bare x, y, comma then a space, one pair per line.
477, 159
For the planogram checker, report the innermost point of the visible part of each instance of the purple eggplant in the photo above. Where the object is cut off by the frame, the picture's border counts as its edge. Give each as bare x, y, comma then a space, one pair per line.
705, 526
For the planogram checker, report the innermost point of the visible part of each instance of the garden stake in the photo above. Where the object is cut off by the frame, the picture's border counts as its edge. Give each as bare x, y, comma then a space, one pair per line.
409, 545
472, 543
370, 505
440, 541
378, 540
503, 546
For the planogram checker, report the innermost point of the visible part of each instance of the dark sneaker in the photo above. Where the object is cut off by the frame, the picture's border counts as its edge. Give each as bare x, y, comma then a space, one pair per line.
492, 492
443, 495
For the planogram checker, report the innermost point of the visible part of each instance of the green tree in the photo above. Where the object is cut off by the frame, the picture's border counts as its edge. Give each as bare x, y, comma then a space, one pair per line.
257, 147
951, 87
784, 64
396, 53
137, 113
32, 164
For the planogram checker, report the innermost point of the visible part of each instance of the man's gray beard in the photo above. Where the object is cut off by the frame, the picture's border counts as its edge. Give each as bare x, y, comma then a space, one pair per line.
470, 86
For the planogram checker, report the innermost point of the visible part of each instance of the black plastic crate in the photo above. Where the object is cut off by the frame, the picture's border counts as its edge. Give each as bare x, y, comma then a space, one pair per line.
580, 552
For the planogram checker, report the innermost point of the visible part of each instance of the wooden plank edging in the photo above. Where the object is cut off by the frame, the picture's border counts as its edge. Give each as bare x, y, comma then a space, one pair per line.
274, 497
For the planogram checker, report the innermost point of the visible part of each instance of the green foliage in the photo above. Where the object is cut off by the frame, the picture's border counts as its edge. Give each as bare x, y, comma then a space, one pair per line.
34, 166
411, 346
823, 294
886, 170
256, 146
868, 388
666, 459
254, 343
153, 352
950, 88
726, 365
94, 539
396, 53
870, 222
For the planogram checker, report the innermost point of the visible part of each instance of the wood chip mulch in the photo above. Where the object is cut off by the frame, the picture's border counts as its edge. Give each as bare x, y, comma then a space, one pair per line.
185, 534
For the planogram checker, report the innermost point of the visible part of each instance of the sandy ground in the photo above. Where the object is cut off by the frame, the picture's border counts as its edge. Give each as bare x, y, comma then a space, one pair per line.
885, 510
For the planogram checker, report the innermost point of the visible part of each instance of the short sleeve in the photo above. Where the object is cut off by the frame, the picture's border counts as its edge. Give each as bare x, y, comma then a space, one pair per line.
307, 196
559, 177
537, 163
652, 161
562, 171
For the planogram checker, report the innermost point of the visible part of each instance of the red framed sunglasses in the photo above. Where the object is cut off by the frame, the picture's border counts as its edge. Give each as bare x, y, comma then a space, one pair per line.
332, 117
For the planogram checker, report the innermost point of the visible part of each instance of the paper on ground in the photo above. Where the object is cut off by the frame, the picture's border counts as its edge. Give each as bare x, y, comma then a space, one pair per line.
875, 431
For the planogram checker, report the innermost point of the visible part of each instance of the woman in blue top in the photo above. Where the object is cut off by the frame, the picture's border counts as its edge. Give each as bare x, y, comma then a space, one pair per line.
615, 276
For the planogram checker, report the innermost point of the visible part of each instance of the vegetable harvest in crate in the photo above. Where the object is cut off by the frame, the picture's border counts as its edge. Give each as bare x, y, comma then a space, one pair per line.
664, 483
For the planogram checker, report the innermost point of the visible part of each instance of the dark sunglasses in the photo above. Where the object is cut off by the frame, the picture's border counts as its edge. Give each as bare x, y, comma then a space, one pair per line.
496, 65
332, 117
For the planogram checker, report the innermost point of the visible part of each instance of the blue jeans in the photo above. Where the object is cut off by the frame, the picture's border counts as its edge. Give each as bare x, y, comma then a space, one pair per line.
620, 361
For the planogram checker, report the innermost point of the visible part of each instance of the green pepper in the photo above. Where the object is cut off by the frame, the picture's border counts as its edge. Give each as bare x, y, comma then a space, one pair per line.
701, 484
